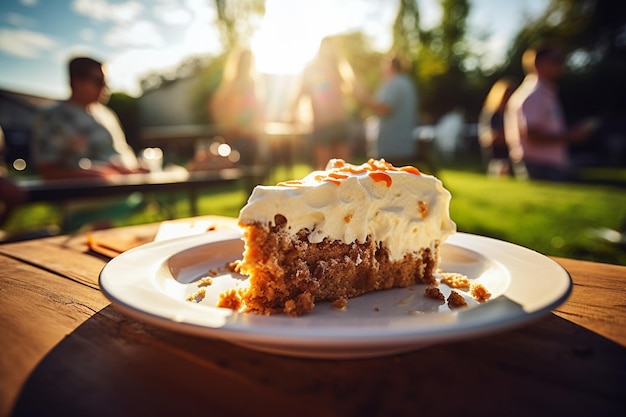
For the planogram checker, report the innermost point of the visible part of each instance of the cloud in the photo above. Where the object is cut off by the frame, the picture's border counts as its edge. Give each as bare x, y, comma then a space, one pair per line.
87, 34
103, 11
171, 13
19, 20
29, 3
125, 69
140, 46
141, 33
24, 43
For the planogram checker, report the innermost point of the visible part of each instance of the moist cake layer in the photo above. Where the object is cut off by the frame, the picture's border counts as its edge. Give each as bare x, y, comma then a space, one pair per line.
289, 274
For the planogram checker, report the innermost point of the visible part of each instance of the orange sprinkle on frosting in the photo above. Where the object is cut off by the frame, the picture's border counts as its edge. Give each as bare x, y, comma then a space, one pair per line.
422, 208
381, 177
291, 183
411, 170
332, 180
338, 170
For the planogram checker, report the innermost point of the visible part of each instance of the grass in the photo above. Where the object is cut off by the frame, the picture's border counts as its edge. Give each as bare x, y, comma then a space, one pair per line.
553, 219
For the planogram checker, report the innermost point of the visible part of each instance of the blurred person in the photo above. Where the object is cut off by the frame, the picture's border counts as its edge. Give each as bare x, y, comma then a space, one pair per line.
327, 81
236, 106
494, 149
535, 128
395, 105
81, 137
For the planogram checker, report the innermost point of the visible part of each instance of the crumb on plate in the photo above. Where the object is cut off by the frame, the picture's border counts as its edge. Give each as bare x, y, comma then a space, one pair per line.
480, 293
197, 296
456, 300
434, 293
455, 280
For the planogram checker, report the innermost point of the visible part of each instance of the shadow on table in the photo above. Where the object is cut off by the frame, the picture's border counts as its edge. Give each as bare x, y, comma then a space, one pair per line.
114, 365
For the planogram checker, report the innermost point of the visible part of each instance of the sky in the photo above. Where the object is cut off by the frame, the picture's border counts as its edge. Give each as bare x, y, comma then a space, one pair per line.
137, 37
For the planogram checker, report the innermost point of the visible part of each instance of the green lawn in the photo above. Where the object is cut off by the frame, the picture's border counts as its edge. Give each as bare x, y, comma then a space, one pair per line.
554, 219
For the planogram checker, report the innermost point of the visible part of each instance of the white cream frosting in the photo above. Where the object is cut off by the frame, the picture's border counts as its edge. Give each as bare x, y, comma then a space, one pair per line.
407, 214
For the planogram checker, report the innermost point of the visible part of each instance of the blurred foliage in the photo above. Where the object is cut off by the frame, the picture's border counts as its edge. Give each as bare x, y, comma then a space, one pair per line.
238, 20
406, 29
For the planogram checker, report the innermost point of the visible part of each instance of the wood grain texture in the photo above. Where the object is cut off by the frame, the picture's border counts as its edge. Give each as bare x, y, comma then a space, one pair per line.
38, 309
66, 351
598, 299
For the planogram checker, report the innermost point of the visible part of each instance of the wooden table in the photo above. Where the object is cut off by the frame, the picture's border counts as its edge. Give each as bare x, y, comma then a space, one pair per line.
67, 351
56, 191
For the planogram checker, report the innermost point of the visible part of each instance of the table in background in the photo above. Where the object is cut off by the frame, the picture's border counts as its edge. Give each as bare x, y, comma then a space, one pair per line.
59, 191
67, 351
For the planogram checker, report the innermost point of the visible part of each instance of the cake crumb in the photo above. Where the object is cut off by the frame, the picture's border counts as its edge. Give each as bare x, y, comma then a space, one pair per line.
197, 296
456, 300
480, 293
302, 304
233, 266
290, 308
340, 303
434, 293
455, 280
205, 282
230, 299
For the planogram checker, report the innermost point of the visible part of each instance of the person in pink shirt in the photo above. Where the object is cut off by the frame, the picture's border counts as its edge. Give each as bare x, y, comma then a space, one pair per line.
535, 128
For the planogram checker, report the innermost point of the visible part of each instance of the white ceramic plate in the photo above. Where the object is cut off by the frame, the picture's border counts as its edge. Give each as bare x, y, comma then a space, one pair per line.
152, 283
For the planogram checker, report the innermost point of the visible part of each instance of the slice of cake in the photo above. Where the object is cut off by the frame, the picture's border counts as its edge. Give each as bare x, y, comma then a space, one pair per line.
337, 234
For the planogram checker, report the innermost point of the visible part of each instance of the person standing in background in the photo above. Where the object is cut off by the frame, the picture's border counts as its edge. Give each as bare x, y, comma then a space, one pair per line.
236, 106
494, 150
395, 104
535, 128
81, 137
327, 81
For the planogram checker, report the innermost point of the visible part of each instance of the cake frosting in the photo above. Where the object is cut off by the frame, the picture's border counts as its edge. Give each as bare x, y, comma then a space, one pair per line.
400, 207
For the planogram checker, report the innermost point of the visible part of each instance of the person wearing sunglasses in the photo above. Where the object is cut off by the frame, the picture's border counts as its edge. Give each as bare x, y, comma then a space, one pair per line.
81, 137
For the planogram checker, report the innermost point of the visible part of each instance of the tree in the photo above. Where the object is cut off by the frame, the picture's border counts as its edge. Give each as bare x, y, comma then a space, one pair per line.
407, 36
438, 56
451, 32
238, 20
